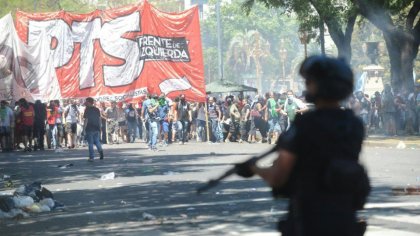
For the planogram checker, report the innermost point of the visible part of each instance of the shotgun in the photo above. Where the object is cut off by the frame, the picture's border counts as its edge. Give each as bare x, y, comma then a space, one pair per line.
214, 182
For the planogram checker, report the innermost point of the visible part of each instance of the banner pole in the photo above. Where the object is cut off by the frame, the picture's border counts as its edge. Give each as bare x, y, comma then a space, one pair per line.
207, 121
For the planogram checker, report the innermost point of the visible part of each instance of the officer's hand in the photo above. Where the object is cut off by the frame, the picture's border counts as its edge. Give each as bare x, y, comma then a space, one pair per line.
244, 169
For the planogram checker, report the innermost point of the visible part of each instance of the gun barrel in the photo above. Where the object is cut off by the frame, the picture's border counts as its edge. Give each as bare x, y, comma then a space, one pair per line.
214, 182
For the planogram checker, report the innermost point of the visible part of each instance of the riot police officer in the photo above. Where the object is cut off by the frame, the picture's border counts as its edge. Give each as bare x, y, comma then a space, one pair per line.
318, 158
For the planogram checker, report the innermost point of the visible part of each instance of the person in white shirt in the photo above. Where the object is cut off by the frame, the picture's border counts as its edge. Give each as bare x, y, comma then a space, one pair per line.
293, 106
71, 113
6, 119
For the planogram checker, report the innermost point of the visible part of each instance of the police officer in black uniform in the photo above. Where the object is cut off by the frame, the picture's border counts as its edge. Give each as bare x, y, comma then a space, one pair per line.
318, 158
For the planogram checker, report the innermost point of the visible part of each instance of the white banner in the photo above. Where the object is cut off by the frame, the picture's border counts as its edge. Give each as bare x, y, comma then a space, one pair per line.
25, 71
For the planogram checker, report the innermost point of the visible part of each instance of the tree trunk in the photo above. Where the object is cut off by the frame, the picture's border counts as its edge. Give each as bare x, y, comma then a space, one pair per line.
344, 50
402, 43
322, 36
402, 50
342, 40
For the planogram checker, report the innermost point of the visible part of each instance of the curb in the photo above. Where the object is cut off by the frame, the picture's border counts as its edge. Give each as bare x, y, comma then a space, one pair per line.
408, 144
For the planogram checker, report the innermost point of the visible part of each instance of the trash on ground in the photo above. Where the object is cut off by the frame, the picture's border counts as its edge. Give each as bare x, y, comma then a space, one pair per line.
148, 216
13, 214
7, 181
26, 199
48, 202
65, 166
23, 201
108, 176
401, 145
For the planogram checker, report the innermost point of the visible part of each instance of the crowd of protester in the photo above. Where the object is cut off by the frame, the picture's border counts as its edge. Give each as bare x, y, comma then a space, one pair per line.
388, 113
160, 121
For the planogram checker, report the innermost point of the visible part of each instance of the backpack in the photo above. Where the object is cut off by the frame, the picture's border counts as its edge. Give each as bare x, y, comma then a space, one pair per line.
348, 176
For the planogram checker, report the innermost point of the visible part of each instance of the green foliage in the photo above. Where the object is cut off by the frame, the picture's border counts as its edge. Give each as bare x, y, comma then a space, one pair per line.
210, 64
7, 6
310, 11
272, 24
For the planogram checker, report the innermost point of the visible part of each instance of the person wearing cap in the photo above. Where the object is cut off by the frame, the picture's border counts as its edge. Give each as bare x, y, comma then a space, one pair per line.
317, 166
92, 128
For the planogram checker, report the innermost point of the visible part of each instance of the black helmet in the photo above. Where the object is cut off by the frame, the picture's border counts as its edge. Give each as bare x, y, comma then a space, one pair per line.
334, 77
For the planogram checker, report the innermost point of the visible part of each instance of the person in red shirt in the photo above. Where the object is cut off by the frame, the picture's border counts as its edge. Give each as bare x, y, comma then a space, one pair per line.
52, 138
27, 115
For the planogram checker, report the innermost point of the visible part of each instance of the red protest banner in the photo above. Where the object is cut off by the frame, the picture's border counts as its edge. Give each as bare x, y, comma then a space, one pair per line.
122, 53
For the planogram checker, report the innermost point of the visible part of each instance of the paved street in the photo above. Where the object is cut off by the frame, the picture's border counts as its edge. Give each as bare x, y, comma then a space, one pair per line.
163, 184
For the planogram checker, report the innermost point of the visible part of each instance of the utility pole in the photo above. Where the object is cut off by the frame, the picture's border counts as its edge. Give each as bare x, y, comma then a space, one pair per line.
219, 40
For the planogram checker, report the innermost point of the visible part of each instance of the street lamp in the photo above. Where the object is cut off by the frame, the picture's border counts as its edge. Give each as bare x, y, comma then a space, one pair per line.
372, 51
303, 36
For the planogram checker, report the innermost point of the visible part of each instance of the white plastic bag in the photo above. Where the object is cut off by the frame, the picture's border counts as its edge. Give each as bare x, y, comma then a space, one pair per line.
23, 201
47, 202
108, 176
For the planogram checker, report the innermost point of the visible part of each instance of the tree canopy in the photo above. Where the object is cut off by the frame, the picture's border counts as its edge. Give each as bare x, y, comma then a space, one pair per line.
338, 15
7, 6
397, 20
272, 25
